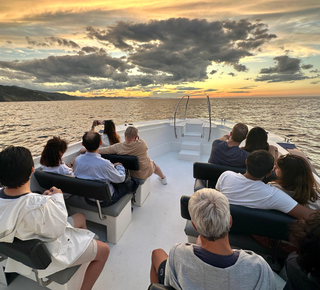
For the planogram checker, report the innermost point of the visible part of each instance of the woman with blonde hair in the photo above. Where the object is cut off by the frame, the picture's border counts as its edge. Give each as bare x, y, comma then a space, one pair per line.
295, 177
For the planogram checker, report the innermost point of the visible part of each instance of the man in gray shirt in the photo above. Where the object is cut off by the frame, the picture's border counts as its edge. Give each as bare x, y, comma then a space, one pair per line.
211, 264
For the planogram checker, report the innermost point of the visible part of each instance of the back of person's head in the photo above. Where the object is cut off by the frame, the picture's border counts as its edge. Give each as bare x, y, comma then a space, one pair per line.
210, 212
110, 131
53, 151
15, 166
296, 176
91, 141
257, 138
131, 132
260, 163
306, 238
239, 132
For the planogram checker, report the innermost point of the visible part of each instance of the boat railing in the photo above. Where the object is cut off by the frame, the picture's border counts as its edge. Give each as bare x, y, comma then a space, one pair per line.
185, 112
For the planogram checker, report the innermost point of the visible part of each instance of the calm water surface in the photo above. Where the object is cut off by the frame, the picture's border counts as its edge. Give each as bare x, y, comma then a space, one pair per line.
31, 124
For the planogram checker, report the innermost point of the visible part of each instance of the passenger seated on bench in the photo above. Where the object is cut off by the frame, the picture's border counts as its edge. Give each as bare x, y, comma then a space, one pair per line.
213, 264
303, 267
295, 178
51, 157
137, 147
27, 215
257, 139
226, 151
248, 189
109, 136
92, 166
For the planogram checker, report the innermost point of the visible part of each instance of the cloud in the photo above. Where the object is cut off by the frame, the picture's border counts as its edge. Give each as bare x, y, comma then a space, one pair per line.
52, 40
286, 69
240, 92
307, 66
187, 88
181, 49
69, 68
213, 72
62, 42
211, 90
232, 74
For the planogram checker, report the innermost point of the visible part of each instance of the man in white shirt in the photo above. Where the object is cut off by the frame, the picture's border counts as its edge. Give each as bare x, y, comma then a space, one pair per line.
249, 190
91, 165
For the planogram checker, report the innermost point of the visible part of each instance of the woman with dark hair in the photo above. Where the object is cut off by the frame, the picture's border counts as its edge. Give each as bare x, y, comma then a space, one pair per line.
303, 266
257, 139
109, 135
52, 154
295, 177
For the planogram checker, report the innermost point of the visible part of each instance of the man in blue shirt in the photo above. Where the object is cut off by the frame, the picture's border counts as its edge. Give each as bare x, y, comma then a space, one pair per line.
92, 166
226, 151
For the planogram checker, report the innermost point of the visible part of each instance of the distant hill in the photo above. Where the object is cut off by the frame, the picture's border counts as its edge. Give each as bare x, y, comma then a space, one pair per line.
17, 94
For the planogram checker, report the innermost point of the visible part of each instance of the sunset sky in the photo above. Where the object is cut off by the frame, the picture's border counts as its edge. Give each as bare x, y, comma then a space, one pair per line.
162, 48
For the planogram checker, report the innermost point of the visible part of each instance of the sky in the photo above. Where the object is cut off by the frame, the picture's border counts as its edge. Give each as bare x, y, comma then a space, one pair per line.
163, 49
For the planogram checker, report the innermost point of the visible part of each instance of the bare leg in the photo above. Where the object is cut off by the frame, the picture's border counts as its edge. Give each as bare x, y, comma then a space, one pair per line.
95, 267
157, 257
79, 220
158, 171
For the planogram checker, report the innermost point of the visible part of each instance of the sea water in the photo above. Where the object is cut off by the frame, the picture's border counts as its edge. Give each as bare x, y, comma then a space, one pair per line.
31, 124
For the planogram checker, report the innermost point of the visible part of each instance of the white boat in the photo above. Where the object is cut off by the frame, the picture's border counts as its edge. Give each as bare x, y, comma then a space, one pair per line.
174, 144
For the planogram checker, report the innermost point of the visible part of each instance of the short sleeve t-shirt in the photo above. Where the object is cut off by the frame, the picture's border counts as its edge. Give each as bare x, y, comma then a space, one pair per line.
253, 193
222, 154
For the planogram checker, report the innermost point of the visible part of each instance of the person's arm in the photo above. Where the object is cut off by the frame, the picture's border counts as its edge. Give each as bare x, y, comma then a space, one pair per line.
108, 150
94, 124
224, 138
116, 173
274, 151
301, 212
50, 219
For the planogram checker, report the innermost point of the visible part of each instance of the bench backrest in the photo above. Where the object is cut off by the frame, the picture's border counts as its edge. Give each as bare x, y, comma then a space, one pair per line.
32, 253
128, 161
250, 221
83, 187
212, 172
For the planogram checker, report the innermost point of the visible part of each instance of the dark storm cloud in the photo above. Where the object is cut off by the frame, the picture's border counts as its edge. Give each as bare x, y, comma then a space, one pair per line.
52, 40
89, 49
62, 42
182, 48
63, 68
307, 66
286, 69
163, 52
35, 43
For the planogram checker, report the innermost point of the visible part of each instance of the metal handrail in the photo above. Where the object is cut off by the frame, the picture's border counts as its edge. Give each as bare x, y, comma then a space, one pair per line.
185, 112
175, 114
209, 109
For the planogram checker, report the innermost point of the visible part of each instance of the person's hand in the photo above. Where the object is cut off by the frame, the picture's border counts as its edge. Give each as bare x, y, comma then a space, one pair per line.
117, 163
52, 191
95, 123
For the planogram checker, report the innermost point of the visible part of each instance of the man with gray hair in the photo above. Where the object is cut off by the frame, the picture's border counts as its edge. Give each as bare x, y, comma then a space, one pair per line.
212, 264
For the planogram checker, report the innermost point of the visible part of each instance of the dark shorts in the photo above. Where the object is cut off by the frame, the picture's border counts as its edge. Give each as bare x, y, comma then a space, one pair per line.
161, 272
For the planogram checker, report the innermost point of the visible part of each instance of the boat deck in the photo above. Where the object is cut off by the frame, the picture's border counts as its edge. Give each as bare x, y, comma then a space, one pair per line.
157, 224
